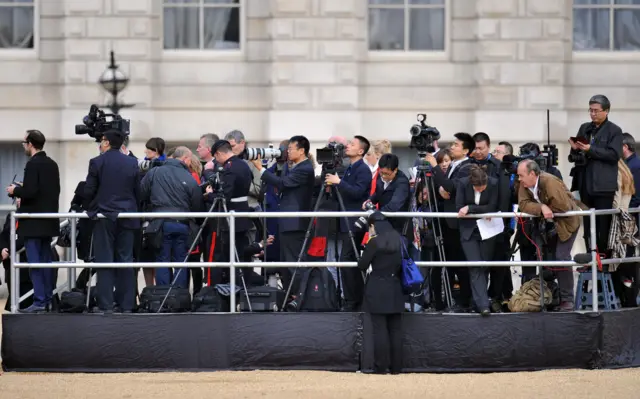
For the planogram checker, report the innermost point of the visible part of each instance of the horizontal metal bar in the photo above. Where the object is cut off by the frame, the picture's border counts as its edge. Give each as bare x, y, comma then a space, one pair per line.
59, 289
53, 242
155, 215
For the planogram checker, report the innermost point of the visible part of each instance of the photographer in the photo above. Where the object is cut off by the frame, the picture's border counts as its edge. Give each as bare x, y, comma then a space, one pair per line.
154, 154
296, 192
112, 187
171, 188
542, 194
234, 182
39, 193
238, 145
595, 151
354, 188
392, 191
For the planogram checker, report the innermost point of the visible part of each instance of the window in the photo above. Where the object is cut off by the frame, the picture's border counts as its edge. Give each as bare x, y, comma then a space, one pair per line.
606, 25
16, 24
201, 24
407, 25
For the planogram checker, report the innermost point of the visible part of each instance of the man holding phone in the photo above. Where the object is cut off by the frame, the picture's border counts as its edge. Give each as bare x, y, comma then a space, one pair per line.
595, 151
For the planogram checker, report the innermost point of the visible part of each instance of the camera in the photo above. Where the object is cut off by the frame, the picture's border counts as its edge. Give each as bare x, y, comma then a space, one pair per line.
268, 153
95, 124
331, 156
577, 157
423, 136
363, 221
213, 180
510, 163
145, 164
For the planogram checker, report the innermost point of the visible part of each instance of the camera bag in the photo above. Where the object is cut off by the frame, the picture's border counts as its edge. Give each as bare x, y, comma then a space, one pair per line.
151, 297
318, 292
263, 299
213, 299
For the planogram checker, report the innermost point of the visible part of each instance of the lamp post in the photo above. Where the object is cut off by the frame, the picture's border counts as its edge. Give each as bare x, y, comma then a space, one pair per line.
114, 81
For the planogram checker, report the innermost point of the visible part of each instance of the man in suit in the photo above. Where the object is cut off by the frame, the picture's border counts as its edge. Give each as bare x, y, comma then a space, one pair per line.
39, 193
354, 188
461, 148
542, 194
295, 188
235, 179
595, 175
112, 187
392, 192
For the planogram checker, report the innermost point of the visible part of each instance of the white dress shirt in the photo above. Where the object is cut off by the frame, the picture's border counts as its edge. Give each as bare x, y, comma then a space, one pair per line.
476, 197
534, 191
454, 164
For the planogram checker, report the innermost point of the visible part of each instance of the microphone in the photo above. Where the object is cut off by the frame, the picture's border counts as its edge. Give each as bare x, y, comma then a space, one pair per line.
583, 259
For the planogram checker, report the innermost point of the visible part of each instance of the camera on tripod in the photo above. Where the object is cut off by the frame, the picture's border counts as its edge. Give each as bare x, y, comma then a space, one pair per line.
95, 124
331, 156
423, 136
269, 153
510, 162
213, 180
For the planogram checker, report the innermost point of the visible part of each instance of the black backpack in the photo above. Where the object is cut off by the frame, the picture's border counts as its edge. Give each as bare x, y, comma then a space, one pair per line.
318, 292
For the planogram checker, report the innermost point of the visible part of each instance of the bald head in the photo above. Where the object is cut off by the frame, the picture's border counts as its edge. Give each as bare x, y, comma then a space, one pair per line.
528, 173
183, 154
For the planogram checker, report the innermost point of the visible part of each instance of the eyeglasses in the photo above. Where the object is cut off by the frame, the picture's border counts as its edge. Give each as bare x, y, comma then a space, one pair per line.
498, 152
595, 111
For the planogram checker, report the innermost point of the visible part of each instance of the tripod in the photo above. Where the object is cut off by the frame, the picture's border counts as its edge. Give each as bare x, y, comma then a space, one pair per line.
325, 190
424, 179
219, 204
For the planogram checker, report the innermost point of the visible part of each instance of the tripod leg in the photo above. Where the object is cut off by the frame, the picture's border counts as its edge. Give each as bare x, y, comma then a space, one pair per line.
193, 245
232, 272
346, 220
307, 235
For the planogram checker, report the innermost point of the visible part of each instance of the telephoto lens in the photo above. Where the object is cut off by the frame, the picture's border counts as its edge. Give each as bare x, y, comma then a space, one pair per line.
363, 221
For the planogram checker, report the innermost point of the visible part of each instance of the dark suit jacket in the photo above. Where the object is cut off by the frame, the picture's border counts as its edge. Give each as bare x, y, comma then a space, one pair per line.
449, 183
354, 188
465, 196
113, 186
633, 162
383, 289
295, 188
600, 175
395, 198
40, 193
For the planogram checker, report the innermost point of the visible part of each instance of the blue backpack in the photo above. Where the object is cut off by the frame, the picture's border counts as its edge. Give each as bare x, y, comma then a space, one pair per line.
411, 277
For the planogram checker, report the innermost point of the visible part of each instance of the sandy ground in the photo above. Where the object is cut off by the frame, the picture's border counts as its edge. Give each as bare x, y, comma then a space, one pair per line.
568, 384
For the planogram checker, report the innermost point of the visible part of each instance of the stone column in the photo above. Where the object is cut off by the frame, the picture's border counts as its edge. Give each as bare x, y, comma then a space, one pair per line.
316, 47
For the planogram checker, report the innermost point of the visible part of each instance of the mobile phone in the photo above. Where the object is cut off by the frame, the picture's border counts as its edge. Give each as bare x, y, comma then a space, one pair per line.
582, 140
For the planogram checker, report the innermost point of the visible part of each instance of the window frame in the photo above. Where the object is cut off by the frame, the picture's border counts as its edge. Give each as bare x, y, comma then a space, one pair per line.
11, 53
611, 53
189, 54
406, 54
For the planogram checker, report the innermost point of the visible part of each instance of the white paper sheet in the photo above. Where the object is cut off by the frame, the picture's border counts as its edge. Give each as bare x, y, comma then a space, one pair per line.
490, 228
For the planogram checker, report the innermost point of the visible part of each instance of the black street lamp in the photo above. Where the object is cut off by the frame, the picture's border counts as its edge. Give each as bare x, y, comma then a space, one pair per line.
114, 81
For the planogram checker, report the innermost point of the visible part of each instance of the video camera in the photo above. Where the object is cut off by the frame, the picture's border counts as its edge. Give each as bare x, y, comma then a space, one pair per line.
423, 136
95, 124
279, 154
213, 180
331, 157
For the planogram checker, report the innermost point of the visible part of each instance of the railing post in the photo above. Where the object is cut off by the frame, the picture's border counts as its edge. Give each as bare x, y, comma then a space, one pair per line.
15, 284
232, 259
594, 260
71, 273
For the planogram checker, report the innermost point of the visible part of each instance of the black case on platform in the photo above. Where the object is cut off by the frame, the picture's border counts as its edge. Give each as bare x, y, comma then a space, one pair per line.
179, 300
263, 299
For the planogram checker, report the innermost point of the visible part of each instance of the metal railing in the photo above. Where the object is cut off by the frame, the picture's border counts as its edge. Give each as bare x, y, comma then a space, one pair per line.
232, 264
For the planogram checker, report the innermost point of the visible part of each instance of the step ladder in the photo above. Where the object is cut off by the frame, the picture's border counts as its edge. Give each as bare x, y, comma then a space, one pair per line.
607, 298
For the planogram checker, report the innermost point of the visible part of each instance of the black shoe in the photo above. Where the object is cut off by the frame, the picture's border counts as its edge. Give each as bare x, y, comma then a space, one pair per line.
485, 312
34, 309
496, 306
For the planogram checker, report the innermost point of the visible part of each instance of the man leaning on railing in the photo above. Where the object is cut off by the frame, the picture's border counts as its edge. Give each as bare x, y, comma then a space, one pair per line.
542, 194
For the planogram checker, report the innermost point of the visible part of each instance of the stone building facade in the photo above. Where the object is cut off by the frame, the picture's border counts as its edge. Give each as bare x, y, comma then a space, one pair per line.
304, 67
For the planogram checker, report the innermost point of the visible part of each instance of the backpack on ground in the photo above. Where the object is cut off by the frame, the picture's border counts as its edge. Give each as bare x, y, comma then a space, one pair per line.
213, 299
318, 292
527, 298
179, 299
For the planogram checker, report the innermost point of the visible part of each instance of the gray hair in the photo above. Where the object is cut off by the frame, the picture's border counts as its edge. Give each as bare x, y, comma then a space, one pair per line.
532, 166
181, 152
629, 141
209, 139
235, 135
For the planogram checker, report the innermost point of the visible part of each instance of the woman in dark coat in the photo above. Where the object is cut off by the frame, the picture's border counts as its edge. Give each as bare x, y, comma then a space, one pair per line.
383, 294
25, 279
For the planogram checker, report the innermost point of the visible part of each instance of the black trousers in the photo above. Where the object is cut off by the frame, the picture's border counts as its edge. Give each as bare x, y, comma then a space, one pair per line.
290, 246
221, 275
197, 275
387, 342
476, 249
499, 275
352, 279
603, 222
112, 243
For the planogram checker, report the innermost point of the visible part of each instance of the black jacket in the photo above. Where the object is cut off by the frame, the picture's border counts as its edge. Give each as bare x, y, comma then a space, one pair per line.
633, 162
354, 188
449, 183
171, 188
236, 179
383, 292
600, 175
295, 188
465, 196
40, 193
395, 198
113, 186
